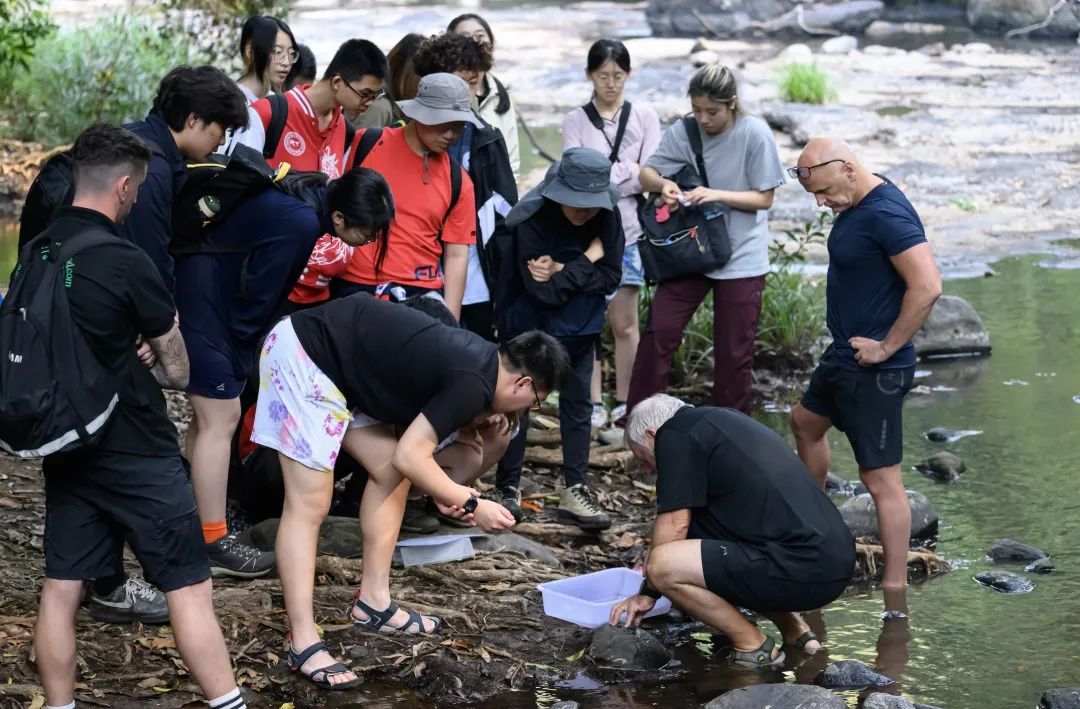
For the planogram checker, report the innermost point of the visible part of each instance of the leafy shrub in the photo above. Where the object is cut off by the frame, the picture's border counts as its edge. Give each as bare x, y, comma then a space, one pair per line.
107, 72
213, 26
23, 23
805, 83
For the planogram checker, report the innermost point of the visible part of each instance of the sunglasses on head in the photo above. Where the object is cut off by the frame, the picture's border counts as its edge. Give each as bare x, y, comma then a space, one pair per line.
804, 172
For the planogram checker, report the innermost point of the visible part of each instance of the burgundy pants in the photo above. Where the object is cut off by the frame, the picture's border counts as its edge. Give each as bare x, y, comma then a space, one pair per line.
736, 307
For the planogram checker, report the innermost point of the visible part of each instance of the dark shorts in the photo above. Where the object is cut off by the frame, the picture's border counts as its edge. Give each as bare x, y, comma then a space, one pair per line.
744, 578
95, 501
214, 373
866, 405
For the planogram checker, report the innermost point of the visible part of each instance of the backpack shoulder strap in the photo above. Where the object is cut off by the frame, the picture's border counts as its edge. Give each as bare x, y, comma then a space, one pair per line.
87, 240
455, 190
694, 135
279, 113
593, 116
350, 133
624, 118
367, 142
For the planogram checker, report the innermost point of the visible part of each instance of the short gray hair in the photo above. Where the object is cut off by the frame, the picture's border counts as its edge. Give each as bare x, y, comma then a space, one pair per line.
651, 414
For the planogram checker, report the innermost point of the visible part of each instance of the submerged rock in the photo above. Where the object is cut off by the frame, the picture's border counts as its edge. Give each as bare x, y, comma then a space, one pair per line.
1004, 581
860, 514
943, 467
1040, 566
850, 674
953, 328
621, 648
1060, 699
937, 434
879, 700
1011, 550
780, 696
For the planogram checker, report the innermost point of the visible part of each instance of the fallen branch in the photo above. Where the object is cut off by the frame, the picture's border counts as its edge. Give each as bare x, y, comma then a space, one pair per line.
1038, 25
346, 571
613, 456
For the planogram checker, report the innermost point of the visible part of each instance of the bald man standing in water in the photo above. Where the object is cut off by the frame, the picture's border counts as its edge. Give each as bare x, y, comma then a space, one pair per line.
881, 285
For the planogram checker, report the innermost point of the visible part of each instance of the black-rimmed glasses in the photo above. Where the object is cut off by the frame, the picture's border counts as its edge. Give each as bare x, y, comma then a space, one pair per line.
536, 395
803, 172
365, 96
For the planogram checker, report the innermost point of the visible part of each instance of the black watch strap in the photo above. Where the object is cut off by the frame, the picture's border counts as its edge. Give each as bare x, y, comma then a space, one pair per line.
648, 591
470, 504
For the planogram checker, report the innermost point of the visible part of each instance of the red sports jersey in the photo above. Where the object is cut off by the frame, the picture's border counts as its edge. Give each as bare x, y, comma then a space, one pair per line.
328, 259
302, 144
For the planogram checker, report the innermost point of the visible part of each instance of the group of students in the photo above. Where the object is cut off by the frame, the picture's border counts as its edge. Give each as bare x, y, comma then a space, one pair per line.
394, 314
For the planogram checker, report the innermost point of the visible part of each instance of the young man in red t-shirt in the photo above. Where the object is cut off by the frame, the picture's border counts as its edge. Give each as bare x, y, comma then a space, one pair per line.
313, 138
428, 249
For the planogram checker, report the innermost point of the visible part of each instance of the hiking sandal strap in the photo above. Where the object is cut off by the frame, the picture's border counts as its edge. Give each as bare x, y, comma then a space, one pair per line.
322, 675
296, 659
806, 637
762, 657
375, 619
415, 618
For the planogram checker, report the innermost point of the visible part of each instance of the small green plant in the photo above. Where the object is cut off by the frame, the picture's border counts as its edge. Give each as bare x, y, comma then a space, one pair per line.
805, 83
106, 72
963, 203
23, 24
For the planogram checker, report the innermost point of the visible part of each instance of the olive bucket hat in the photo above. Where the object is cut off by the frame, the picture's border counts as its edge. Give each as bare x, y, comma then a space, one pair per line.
582, 179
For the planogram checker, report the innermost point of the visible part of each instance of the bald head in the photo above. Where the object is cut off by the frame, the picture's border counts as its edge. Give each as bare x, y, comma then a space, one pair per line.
829, 170
823, 148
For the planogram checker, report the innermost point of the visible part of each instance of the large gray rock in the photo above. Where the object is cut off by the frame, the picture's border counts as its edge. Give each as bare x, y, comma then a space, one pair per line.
1000, 16
953, 328
1004, 582
860, 514
616, 647
850, 674
942, 466
1060, 699
726, 18
879, 700
1012, 550
779, 696
338, 536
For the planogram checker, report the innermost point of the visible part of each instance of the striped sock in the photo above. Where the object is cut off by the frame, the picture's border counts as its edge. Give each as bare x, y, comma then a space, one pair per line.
232, 700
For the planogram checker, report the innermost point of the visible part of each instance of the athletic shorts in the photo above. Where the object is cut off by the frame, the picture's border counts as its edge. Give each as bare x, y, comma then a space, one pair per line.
301, 413
95, 501
866, 405
214, 373
743, 576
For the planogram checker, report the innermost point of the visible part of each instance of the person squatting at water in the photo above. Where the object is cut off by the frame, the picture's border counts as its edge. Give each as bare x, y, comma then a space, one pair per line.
326, 383
740, 524
881, 285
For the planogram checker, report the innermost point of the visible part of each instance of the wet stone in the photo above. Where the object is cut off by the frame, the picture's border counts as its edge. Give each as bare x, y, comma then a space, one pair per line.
850, 674
878, 700
1040, 566
569, 704
937, 434
942, 466
860, 514
787, 696
1011, 550
621, 648
1060, 699
1004, 582
836, 485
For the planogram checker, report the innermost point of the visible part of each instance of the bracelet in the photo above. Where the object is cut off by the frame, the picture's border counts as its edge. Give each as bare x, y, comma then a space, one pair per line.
648, 591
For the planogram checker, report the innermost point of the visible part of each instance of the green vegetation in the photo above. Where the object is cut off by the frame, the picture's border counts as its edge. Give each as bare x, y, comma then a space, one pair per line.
23, 23
963, 203
806, 83
212, 27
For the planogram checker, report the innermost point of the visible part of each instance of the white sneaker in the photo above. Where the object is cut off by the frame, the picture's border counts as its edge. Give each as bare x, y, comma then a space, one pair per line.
618, 412
599, 416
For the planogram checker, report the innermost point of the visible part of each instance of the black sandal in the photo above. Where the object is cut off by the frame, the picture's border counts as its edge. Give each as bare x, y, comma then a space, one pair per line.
760, 659
800, 642
320, 677
377, 620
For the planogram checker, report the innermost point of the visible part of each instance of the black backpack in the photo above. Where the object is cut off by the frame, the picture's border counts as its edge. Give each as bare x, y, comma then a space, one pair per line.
55, 395
213, 189
598, 123
53, 188
279, 112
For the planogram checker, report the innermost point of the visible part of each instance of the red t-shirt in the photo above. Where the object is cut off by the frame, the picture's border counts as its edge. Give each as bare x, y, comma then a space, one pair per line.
328, 260
415, 248
302, 144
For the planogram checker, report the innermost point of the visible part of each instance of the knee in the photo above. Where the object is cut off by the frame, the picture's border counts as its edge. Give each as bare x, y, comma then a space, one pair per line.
802, 426
62, 591
660, 570
624, 326
883, 482
310, 507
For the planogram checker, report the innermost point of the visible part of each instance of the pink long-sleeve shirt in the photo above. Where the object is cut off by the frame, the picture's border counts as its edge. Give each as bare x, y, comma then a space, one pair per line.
640, 140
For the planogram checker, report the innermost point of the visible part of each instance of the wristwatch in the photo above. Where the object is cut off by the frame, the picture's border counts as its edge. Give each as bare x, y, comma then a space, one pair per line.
648, 591
470, 504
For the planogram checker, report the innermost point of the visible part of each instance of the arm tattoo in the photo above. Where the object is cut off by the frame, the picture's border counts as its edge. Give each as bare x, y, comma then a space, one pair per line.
171, 370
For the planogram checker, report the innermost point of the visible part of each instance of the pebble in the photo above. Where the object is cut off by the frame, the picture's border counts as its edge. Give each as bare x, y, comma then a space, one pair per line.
850, 674
1040, 566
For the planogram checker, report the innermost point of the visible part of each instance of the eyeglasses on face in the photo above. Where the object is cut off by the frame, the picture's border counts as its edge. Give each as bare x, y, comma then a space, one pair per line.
536, 406
609, 80
804, 172
365, 96
290, 55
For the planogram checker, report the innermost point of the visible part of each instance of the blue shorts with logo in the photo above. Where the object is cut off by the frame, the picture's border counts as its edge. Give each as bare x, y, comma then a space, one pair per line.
217, 369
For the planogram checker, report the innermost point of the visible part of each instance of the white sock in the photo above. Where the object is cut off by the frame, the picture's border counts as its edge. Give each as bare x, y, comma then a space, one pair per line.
232, 700
71, 705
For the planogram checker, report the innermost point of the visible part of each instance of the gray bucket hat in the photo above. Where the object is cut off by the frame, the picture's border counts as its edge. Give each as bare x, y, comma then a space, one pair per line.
441, 98
582, 178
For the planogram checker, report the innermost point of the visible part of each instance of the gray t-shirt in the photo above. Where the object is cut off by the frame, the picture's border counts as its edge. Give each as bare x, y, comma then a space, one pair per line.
741, 159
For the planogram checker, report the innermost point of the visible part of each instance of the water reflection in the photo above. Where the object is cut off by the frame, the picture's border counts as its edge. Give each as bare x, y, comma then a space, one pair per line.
894, 640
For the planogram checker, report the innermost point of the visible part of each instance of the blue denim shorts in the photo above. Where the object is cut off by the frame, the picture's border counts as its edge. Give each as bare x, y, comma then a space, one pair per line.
633, 274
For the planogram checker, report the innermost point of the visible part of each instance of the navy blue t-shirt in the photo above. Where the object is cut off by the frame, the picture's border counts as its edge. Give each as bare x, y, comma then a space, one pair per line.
863, 290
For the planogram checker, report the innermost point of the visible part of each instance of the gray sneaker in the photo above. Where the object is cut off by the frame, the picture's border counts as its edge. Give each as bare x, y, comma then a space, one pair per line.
135, 601
510, 498
228, 557
578, 505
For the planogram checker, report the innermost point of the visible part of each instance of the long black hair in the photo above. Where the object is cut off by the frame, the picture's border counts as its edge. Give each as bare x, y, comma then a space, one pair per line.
605, 49
364, 199
260, 31
504, 96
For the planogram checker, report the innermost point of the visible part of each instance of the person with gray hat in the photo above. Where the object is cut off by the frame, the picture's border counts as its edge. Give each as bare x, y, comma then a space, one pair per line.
564, 258
428, 248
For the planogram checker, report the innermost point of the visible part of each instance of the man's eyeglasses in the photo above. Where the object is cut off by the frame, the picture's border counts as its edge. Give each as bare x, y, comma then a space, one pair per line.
803, 172
279, 53
365, 96
536, 395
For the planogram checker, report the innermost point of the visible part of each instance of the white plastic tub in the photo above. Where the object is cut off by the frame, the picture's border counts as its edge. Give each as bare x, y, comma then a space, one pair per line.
587, 600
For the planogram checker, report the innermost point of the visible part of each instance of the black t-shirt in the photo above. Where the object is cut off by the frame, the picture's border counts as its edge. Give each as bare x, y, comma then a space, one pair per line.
742, 482
117, 294
394, 363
